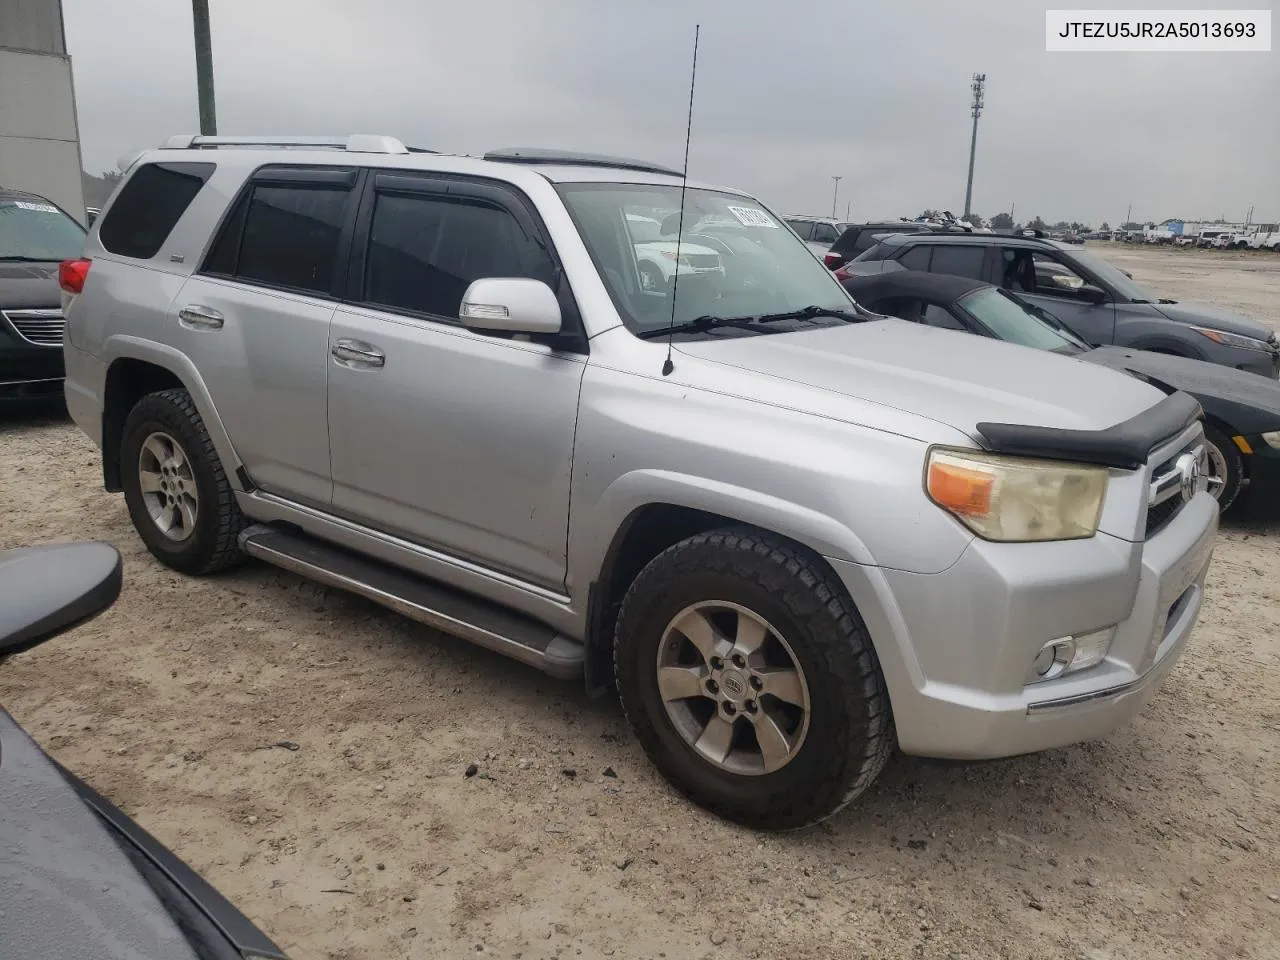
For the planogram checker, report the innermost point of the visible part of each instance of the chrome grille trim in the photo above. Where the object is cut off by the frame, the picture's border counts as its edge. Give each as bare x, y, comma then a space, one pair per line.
39, 327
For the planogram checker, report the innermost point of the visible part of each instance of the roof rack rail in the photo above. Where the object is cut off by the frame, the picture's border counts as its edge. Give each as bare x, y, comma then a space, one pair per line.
356, 143
569, 158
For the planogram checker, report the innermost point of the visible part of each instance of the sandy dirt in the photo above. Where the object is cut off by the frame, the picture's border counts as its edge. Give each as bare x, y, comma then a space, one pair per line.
306, 751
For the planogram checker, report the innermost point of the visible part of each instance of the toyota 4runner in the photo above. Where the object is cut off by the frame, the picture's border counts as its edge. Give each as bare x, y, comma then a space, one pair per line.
793, 533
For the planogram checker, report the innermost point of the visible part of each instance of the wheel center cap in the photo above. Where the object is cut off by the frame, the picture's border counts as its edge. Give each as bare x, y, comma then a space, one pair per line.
734, 684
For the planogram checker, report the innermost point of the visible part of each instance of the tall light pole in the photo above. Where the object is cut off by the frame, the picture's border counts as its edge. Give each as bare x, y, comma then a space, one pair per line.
834, 194
977, 86
204, 68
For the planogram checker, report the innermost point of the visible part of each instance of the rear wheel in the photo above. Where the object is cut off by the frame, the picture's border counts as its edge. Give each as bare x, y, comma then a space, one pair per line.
179, 498
750, 679
1226, 466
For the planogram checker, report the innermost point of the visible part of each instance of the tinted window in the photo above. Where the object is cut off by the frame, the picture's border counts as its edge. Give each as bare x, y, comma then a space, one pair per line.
149, 205
424, 251
824, 233
917, 258
289, 236
802, 227
963, 261
936, 316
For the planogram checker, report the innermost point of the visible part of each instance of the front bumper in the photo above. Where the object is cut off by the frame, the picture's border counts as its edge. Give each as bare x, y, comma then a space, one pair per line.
956, 647
28, 371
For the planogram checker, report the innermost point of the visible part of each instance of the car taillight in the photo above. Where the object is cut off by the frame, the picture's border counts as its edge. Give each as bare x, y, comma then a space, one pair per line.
843, 273
832, 260
72, 275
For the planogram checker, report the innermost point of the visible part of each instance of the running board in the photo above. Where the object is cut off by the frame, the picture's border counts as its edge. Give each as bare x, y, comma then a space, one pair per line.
451, 611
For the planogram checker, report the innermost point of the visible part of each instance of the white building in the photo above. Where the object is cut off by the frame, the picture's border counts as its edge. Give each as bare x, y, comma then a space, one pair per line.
39, 137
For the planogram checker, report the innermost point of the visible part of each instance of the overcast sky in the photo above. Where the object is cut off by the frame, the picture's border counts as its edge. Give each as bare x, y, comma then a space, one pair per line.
788, 95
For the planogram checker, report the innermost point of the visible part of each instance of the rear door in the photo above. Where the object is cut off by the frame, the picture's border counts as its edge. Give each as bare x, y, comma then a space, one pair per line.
1053, 285
454, 439
255, 320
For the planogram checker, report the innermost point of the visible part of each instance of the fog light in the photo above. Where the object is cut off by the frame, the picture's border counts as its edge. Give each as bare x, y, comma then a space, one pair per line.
1091, 649
1070, 654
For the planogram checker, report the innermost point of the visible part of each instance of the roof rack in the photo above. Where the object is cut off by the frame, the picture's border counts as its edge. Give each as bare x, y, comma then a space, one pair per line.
356, 143
539, 155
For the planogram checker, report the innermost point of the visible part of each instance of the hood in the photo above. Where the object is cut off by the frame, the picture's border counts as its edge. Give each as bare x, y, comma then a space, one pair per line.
1247, 403
29, 285
947, 376
66, 887
1205, 315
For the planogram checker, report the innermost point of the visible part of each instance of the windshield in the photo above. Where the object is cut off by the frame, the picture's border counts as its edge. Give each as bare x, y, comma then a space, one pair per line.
736, 259
1009, 320
1109, 274
36, 230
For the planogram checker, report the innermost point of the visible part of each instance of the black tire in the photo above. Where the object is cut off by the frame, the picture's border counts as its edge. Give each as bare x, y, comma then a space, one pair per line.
1231, 466
652, 279
850, 734
211, 545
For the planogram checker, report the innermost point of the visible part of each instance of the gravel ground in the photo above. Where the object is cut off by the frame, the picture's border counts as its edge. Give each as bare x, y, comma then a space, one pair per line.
306, 751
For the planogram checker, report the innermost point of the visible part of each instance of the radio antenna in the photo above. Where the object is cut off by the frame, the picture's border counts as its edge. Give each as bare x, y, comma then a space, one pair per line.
668, 365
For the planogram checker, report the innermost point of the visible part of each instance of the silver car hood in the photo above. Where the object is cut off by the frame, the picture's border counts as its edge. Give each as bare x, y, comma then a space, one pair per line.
946, 376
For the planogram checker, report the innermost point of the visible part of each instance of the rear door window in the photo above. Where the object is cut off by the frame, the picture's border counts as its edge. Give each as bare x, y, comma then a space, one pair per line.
824, 233
285, 234
149, 206
916, 258
961, 261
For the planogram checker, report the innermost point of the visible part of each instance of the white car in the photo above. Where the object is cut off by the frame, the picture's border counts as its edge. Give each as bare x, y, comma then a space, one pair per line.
656, 256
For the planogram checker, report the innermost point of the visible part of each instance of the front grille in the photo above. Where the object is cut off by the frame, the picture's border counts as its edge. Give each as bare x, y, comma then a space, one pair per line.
1165, 498
41, 327
703, 260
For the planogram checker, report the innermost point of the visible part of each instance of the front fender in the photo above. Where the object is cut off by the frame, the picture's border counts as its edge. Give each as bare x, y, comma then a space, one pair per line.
641, 488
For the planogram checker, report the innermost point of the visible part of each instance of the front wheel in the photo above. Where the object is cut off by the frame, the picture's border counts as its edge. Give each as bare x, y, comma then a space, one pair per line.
750, 680
1226, 467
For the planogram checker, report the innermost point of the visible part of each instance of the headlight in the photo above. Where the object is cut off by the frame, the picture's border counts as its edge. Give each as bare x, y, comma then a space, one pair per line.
1016, 499
1272, 438
1233, 340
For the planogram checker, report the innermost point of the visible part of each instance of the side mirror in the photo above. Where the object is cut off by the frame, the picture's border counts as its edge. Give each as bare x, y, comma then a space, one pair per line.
1091, 294
45, 591
510, 305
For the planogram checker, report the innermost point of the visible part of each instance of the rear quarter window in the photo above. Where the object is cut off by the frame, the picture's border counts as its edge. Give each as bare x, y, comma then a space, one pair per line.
149, 205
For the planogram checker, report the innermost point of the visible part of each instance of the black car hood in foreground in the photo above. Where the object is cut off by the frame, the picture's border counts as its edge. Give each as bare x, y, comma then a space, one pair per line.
79, 879
1205, 315
1248, 403
29, 285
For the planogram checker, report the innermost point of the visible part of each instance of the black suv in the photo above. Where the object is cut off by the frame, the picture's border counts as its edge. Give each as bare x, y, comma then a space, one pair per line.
1097, 301
35, 235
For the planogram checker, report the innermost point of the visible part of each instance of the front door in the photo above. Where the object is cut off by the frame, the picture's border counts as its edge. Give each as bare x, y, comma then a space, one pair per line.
450, 438
1054, 286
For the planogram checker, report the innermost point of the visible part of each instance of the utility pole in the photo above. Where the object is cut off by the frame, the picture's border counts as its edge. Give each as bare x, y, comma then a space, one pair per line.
204, 68
847, 207
834, 194
1128, 218
1013, 206
977, 86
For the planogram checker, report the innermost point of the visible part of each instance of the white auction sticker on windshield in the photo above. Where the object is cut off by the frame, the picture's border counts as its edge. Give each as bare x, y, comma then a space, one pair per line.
37, 207
751, 217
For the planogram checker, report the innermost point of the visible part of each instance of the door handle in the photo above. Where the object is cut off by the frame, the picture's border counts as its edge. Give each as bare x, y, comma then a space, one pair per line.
358, 352
196, 317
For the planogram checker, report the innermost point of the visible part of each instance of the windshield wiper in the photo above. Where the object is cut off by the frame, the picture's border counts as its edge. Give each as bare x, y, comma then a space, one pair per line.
709, 322
19, 258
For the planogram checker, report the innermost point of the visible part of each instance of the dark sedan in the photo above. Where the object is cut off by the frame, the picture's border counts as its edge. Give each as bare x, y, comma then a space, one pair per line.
1242, 411
35, 236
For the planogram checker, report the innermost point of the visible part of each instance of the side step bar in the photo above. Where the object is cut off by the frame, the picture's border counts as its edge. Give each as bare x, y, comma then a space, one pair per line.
485, 624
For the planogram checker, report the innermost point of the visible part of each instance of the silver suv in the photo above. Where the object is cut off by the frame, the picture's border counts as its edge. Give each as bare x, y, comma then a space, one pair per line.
792, 533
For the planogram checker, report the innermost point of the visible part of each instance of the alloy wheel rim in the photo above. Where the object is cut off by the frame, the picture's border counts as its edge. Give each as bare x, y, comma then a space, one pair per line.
733, 688
168, 486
